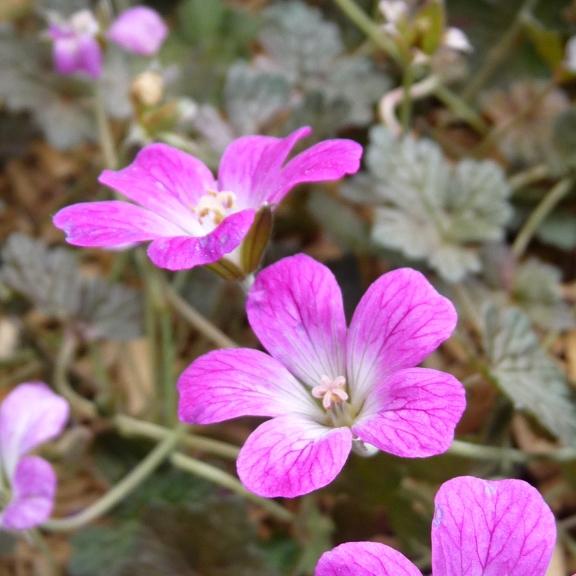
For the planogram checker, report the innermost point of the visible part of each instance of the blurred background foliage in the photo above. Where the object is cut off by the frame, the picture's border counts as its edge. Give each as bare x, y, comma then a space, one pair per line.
480, 196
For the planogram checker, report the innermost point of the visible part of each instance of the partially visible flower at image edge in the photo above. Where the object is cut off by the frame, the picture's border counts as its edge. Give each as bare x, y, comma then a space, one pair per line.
139, 30
480, 527
30, 415
329, 387
75, 46
191, 218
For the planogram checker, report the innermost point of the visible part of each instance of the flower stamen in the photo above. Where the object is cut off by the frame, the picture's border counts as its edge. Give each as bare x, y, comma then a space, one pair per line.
331, 391
215, 205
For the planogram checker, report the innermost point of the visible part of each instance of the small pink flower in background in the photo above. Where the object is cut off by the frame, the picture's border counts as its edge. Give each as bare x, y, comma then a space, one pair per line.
480, 528
140, 30
191, 218
327, 387
29, 416
75, 44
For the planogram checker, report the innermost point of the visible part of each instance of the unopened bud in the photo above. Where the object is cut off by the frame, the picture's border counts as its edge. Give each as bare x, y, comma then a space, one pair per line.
148, 88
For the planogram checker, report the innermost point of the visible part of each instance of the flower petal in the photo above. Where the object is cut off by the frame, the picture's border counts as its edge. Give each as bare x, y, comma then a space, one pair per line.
295, 308
33, 489
184, 252
290, 456
365, 559
412, 413
491, 528
30, 415
111, 224
90, 56
251, 166
226, 384
400, 320
165, 180
325, 161
140, 30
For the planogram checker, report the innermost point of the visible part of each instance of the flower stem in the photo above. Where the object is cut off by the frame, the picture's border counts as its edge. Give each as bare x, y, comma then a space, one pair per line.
370, 29
479, 452
499, 52
105, 136
540, 213
199, 322
221, 478
52, 568
125, 487
80, 405
529, 176
129, 426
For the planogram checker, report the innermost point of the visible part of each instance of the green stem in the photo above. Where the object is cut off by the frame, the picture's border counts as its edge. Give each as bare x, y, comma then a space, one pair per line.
479, 452
167, 380
500, 52
223, 479
406, 106
129, 426
82, 407
528, 177
540, 213
460, 108
203, 325
104, 131
370, 29
123, 489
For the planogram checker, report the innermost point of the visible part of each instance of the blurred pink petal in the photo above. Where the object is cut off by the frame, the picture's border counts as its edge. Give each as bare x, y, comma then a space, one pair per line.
140, 30
33, 487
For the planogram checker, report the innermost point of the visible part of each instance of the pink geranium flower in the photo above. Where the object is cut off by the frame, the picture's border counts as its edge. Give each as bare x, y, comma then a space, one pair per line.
480, 528
29, 416
327, 387
75, 44
140, 30
191, 218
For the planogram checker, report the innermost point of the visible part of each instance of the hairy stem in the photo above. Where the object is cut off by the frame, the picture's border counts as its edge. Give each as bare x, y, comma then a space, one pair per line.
540, 213
370, 29
225, 480
128, 426
123, 489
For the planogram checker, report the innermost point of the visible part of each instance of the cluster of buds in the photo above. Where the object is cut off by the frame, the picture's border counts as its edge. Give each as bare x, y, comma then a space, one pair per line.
422, 37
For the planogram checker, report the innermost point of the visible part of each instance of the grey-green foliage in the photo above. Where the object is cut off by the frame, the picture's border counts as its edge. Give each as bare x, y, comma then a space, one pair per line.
537, 289
51, 279
308, 50
431, 209
28, 86
253, 97
526, 373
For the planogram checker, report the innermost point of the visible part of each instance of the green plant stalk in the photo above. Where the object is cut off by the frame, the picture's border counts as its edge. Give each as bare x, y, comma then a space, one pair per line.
460, 108
499, 52
80, 406
217, 476
196, 320
105, 135
167, 380
370, 29
407, 104
480, 452
540, 213
128, 426
124, 488
40, 543
528, 177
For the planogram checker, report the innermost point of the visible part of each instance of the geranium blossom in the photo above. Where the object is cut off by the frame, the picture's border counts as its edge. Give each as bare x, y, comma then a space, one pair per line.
327, 387
480, 528
75, 44
140, 30
191, 218
29, 416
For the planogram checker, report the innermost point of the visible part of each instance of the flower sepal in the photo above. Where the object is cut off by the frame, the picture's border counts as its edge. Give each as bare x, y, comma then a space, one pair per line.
256, 241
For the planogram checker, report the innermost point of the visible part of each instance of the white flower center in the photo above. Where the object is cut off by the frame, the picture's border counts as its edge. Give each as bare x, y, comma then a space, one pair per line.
83, 22
214, 206
331, 391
